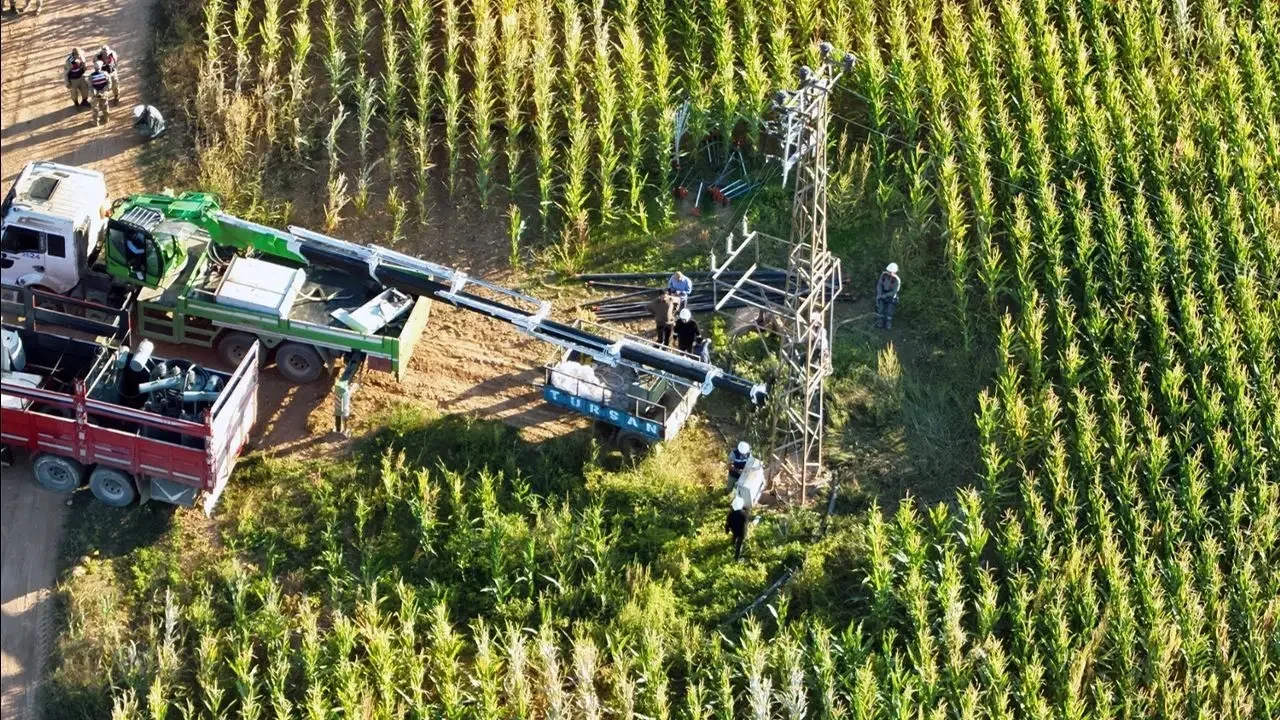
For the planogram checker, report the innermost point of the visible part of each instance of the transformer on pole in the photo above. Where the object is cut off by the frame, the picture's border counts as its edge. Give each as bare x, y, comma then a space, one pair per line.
802, 314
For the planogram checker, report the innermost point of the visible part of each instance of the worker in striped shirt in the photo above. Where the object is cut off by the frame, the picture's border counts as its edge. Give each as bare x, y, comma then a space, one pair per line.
99, 83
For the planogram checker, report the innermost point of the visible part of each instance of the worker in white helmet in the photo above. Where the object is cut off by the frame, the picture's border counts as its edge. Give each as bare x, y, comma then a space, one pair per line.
687, 331
738, 458
736, 524
887, 288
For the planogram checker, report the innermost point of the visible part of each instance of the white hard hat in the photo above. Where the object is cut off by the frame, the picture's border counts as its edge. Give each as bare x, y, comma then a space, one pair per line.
893, 268
738, 502
685, 314
744, 447
138, 110
97, 64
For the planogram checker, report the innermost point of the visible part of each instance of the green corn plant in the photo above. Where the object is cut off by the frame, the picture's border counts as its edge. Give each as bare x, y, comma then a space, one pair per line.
723, 78
542, 84
366, 89
753, 659
631, 75
517, 690
335, 59
487, 670
242, 28
653, 670
483, 101
586, 663
295, 115
782, 61
269, 82
446, 645
336, 196
451, 89
756, 82
393, 88
419, 19
515, 229
663, 110
246, 674
513, 49
624, 685
212, 35
606, 107
551, 679
794, 696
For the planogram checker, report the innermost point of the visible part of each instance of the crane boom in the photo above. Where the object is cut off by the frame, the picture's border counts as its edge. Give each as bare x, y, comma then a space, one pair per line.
418, 277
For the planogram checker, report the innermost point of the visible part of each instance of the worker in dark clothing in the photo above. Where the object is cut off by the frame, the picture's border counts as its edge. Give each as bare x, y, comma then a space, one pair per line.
687, 332
738, 458
736, 523
75, 69
887, 288
664, 316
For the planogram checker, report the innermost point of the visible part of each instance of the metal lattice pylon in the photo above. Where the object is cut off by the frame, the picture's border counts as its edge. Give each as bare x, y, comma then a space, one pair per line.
802, 314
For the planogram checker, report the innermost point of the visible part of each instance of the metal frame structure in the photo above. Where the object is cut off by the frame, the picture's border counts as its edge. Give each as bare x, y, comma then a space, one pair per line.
803, 312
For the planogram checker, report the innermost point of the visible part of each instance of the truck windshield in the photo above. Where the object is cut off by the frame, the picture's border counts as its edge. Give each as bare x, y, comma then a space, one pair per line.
19, 239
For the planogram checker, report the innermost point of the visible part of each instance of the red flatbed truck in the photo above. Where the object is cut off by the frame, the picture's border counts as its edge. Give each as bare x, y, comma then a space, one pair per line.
133, 426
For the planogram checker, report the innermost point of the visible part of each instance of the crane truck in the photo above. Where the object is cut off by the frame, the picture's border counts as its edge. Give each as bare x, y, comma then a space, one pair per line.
191, 273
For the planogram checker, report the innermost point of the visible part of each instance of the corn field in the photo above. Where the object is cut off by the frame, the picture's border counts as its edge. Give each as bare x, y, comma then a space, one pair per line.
1099, 183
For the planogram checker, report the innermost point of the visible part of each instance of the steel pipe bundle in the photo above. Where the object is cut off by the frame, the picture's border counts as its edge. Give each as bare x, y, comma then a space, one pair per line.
633, 303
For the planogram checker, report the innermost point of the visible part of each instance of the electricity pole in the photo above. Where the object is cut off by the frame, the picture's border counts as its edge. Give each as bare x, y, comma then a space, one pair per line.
804, 311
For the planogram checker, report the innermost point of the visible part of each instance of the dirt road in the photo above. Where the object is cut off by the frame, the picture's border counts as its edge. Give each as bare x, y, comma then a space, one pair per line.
32, 521
37, 122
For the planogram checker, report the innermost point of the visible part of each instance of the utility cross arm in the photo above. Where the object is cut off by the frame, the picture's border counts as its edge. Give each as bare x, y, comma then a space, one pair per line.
422, 278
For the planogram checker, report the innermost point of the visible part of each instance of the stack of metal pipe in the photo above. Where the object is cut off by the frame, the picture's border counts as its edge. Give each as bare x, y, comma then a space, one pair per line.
634, 292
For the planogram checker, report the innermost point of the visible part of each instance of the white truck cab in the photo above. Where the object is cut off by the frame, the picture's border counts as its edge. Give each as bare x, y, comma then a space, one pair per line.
53, 220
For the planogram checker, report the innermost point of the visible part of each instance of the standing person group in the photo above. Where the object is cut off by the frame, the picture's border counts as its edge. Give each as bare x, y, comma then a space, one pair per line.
90, 79
674, 320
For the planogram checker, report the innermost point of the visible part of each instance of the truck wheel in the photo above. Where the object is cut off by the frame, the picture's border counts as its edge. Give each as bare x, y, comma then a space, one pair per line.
233, 346
57, 473
605, 431
112, 487
298, 363
633, 445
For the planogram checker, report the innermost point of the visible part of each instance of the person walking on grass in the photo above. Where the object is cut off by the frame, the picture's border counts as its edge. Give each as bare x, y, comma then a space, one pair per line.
664, 316
108, 58
887, 288
681, 286
687, 332
736, 524
75, 68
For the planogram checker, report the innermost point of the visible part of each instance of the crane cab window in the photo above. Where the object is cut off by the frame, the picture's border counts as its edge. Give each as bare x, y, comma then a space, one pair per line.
22, 240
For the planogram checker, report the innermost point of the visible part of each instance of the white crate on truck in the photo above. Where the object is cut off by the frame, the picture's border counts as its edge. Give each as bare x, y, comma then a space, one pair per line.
260, 286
